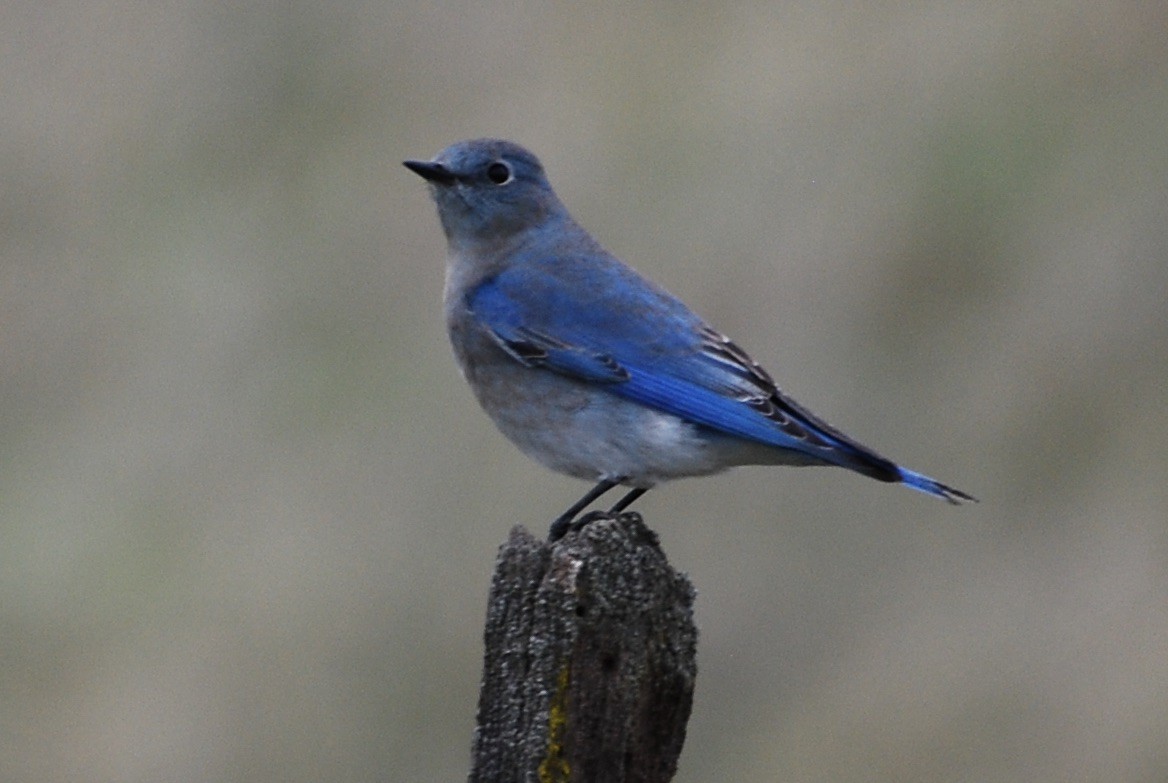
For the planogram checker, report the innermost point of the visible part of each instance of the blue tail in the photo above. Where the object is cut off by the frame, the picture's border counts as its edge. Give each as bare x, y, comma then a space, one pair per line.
922, 483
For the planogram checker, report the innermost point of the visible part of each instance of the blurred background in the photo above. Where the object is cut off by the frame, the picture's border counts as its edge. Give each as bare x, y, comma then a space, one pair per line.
249, 511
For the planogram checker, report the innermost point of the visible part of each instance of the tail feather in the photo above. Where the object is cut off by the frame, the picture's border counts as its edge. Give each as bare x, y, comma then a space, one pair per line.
922, 483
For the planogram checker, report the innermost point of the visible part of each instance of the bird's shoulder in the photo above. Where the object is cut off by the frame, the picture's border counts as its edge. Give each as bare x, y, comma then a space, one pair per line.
584, 296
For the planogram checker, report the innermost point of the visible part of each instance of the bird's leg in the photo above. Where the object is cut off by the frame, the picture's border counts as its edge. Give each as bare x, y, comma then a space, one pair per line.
612, 513
627, 500
563, 522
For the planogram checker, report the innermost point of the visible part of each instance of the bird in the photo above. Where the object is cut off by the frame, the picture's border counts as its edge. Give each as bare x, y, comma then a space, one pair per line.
592, 369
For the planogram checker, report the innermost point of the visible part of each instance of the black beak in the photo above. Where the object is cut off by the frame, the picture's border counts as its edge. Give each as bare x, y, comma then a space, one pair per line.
431, 172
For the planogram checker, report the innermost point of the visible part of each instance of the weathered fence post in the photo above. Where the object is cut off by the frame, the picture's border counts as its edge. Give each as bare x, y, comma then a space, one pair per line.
589, 667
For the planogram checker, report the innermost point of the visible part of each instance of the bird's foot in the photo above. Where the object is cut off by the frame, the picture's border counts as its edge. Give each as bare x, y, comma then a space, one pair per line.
561, 527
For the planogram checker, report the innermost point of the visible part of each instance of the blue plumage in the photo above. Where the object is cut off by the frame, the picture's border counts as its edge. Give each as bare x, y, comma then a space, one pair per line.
589, 367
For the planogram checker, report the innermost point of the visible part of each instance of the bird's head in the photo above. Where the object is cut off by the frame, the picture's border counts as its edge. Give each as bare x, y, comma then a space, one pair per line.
488, 190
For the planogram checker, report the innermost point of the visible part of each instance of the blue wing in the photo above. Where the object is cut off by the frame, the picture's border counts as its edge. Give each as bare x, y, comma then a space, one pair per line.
599, 322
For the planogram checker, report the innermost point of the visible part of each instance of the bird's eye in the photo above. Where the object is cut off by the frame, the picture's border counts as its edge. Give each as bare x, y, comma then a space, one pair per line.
499, 173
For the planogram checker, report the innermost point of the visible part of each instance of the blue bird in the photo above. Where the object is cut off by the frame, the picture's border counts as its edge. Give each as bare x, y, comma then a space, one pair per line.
591, 369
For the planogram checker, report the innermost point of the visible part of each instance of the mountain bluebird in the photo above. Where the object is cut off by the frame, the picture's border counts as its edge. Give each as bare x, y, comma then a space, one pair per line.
593, 370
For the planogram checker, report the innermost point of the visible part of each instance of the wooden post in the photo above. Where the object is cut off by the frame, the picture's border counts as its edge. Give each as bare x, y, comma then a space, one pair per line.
589, 668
